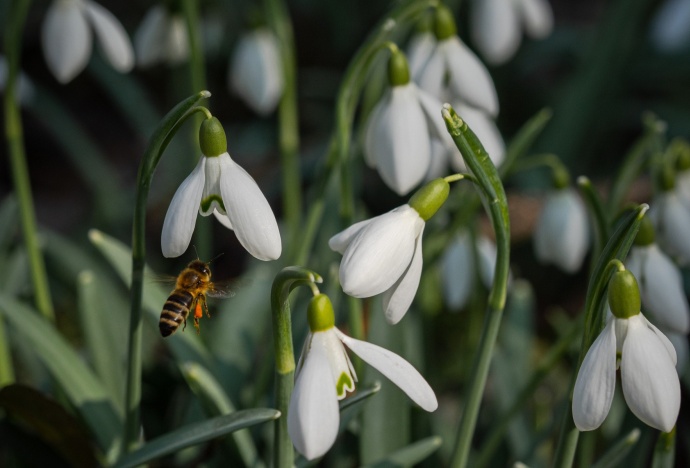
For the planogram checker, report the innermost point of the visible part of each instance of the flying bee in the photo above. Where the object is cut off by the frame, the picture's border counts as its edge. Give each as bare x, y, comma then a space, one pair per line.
191, 288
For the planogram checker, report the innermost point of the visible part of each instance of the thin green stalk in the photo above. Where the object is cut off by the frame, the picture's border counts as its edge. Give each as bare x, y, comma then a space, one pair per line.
597, 214
479, 163
159, 141
665, 450
288, 122
6, 368
287, 280
15, 146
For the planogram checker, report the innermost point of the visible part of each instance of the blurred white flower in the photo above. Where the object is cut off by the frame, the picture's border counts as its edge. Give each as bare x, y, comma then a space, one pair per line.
399, 135
161, 38
680, 344
670, 26
496, 25
647, 362
66, 38
672, 222
325, 374
25, 90
383, 255
256, 73
562, 233
661, 287
220, 186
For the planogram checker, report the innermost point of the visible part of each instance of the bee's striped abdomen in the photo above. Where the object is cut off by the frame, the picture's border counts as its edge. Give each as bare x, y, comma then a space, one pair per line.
175, 311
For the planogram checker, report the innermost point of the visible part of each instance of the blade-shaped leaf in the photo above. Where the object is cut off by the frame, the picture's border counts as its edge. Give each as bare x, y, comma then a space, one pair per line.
195, 434
80, 385
410, 455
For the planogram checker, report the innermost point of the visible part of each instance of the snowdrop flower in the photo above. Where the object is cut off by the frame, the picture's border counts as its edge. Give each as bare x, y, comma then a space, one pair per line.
452, 72
672, 222
325, 374
25, 90
647, 362
562, 234
161, 38
661, 283
681, 149
680, 344
399, 131
384, 254
670, 27
220, 186
496, 25
256, 73
67, 33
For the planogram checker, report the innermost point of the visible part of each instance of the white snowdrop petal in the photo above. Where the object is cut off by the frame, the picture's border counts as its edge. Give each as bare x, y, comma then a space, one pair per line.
432, 110
371, 132
661, 287
341, 241
313, 415
650, 381
396, 369
537, 16
669, 27
457, 271
255, 72
150, 37
180, 219
380, 253
495, 29
397, 300
596, 381
673, 225
438, 161
486, 130
177, 41
487, 253
224, 220
248, 210
664, 340
469, 78
399, 141
341, 376
430, 77
680, 343
419, 51
66, 40
111, 36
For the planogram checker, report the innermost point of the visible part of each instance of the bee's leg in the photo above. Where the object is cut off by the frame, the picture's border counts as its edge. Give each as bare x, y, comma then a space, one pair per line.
202, 299
198, 313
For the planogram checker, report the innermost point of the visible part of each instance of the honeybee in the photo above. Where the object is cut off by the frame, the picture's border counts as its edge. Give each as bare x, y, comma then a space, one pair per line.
191, 288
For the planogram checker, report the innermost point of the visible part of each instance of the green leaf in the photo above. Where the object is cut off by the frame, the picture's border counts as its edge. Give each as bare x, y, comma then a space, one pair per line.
618, 451
50, 421
596, 213
81, 386
524, 139
665, 450
197, 433
410, 455
216, 402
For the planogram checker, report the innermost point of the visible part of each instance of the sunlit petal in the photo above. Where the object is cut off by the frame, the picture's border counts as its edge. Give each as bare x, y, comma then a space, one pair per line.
111, 36
249, 212
650, 381
313, 415
396, 369
397, 300
596, 381
180, 219
341, 241
66, 39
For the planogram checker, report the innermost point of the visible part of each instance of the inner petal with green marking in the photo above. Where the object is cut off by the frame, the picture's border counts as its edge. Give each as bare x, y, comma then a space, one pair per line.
207, 204
344, 384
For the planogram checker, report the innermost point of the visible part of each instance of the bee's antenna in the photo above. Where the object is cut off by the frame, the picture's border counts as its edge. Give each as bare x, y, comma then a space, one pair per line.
216, 257
196, 252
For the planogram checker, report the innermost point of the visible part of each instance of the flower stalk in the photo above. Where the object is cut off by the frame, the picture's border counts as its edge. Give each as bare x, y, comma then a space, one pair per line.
17, 155
479, 163
287, 280
159, 141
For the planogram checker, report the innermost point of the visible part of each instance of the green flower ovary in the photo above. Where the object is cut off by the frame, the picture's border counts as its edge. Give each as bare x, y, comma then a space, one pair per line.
624, 295
428, 199
207, 202
344, 383
212, 138
320, 313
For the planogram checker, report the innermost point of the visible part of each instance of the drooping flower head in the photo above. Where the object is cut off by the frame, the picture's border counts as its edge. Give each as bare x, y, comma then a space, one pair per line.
256, 72
325, 374
671, 218
497, 25
647, 363
219, 186
400, 129
562, 233
161, 38
66, 38
384, 254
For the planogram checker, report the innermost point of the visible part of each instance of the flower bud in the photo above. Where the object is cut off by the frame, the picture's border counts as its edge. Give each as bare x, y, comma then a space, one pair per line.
398, 69
427, 200
624, 295
320, 313
444, 23
212, 138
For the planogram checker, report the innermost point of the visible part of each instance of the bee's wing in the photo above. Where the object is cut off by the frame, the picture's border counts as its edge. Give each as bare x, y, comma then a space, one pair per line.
222, 289
164, 280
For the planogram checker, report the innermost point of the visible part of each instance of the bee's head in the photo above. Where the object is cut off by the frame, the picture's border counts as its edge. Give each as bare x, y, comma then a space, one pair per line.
199, 266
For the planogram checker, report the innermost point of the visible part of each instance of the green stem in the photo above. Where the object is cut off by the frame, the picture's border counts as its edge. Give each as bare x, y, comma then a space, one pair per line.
287, 280
159, 141
597, 214
665, 450
479, 163
6, 368
288, 121
15, 146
